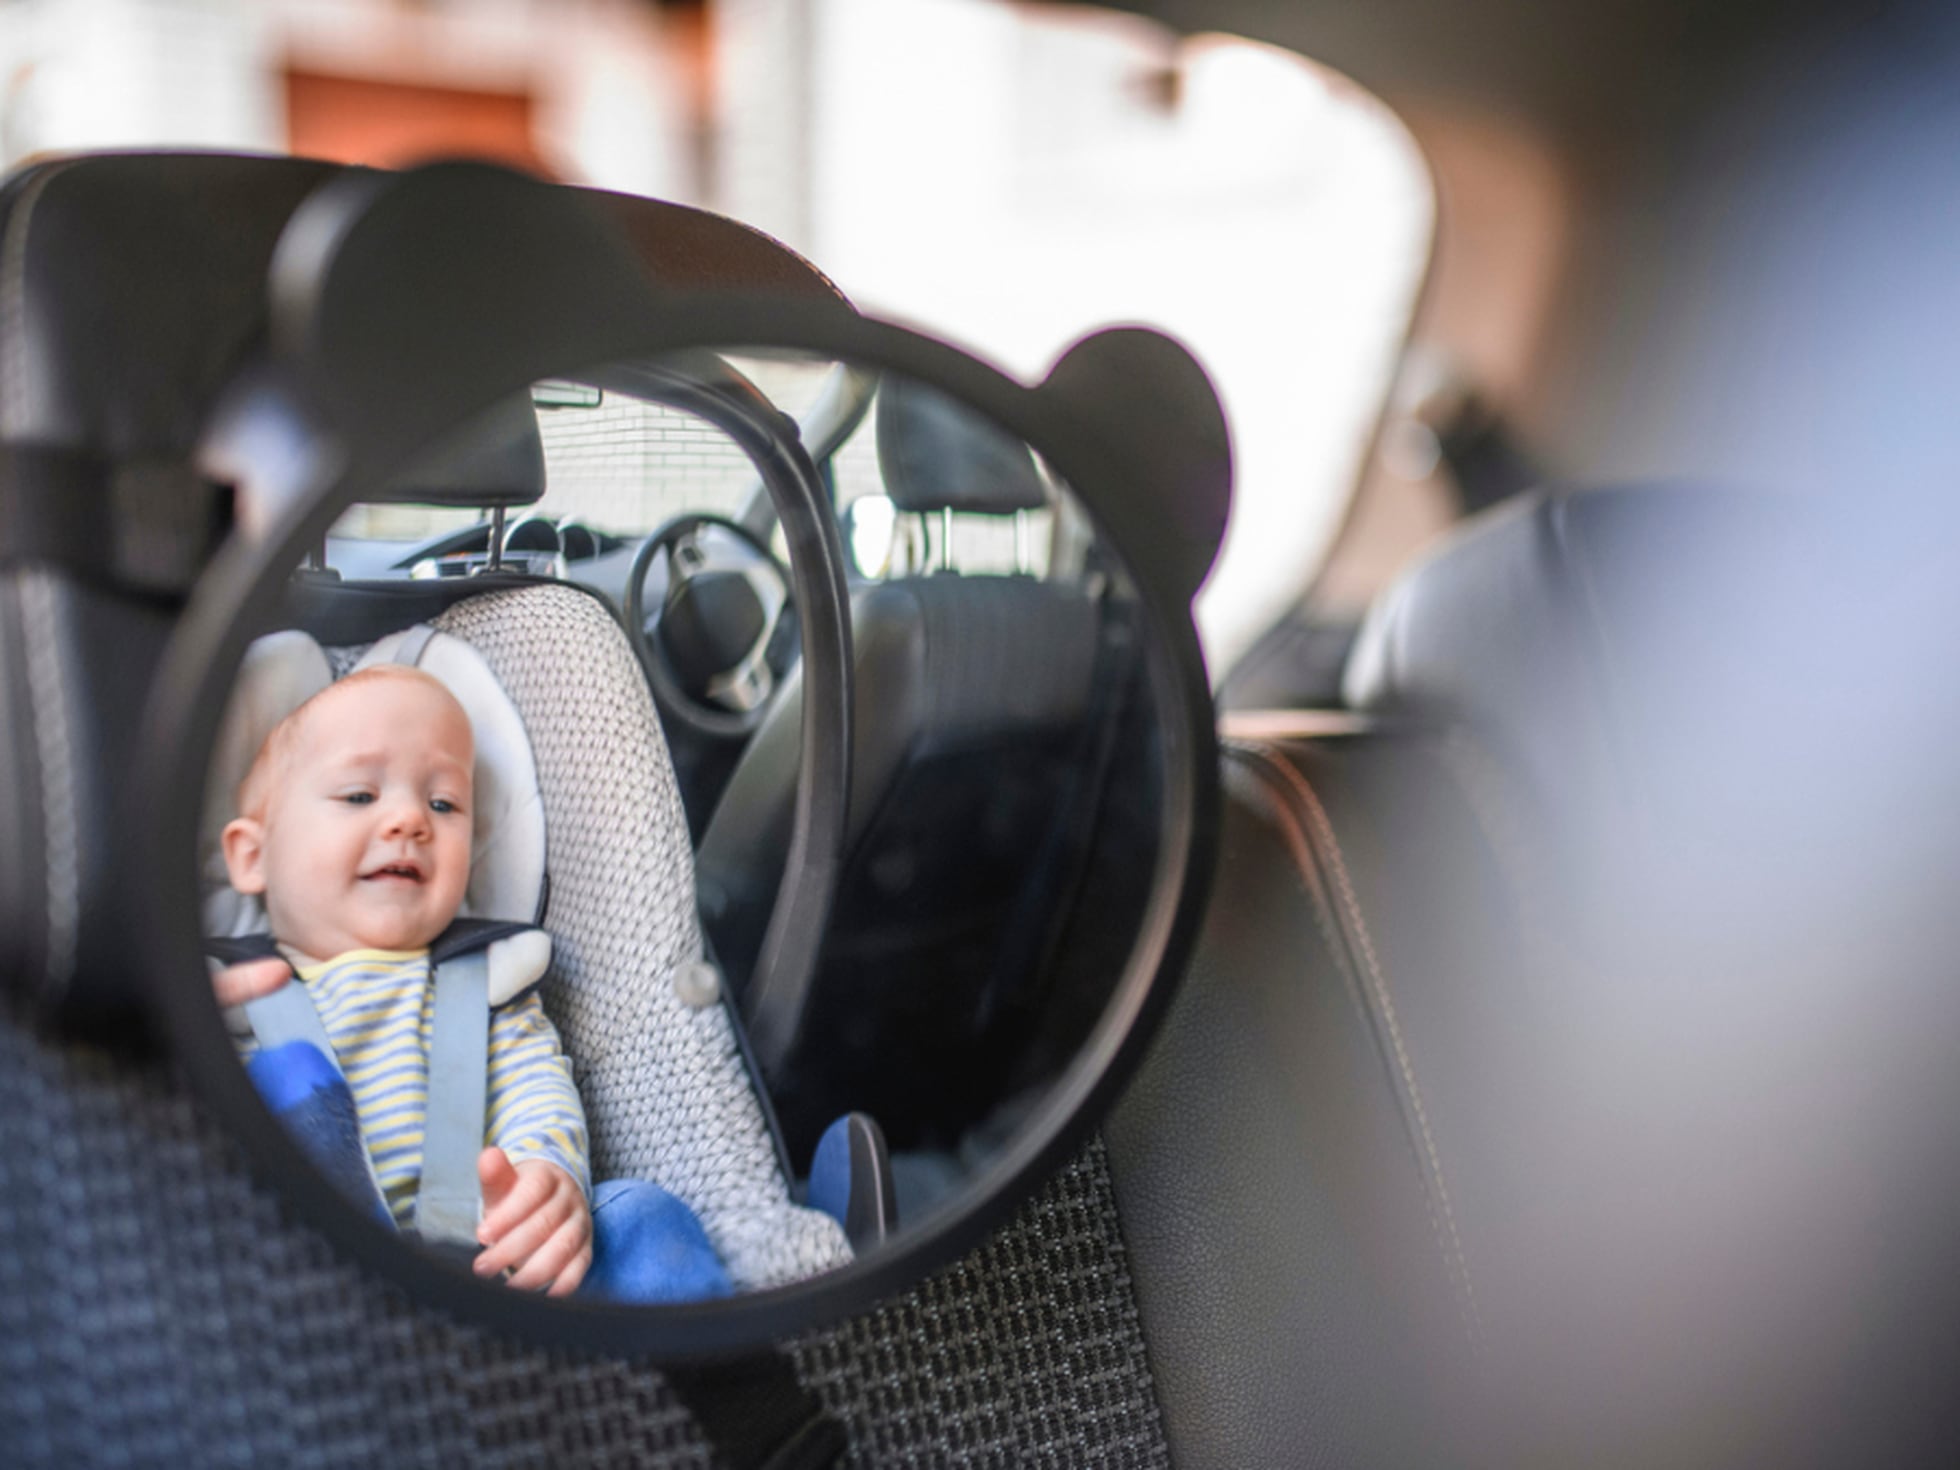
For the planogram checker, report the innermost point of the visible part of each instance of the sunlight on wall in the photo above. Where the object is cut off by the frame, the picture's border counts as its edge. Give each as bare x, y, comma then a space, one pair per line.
1014, 178
1009, 176
608, 94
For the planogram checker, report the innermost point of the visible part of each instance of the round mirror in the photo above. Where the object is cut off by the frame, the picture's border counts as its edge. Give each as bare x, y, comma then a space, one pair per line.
709, 931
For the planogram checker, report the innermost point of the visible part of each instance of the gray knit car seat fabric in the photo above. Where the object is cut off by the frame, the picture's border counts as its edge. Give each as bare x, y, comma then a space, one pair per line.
157, 1308
667, 1095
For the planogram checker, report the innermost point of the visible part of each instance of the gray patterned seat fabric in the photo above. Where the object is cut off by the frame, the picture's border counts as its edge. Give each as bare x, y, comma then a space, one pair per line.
157, 1307
667, 1093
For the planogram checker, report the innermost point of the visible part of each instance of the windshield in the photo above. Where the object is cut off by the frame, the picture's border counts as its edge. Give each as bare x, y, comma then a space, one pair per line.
622, 467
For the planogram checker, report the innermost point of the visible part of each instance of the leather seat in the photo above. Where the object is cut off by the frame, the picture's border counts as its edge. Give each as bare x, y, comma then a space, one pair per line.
982, 698
1561, 1077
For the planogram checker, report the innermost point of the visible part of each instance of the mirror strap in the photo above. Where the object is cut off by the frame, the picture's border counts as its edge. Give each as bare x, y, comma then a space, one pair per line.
758, 1415
145, 525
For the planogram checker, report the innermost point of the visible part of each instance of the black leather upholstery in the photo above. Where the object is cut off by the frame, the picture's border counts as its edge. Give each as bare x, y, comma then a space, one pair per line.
1595, 1042
957, 678
978, 703
1299, 1305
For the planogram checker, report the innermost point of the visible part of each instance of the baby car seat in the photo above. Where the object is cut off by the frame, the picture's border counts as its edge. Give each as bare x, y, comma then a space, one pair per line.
568, 744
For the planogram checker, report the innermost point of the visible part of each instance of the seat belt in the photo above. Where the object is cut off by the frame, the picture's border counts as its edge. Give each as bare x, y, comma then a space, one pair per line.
450, 1198
1056, 874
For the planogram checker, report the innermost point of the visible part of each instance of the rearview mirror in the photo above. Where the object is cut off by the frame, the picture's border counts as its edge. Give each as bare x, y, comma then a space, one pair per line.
851, 1005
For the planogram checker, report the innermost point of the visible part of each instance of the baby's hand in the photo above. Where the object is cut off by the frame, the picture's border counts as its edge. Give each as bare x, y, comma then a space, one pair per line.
236, 984
535, 1223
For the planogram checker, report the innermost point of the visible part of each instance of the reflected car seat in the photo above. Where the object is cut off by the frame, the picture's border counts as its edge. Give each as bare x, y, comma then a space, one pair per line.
667, 1092
987, 704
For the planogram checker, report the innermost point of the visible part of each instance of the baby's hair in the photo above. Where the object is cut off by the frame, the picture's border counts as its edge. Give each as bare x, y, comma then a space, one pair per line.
256, 788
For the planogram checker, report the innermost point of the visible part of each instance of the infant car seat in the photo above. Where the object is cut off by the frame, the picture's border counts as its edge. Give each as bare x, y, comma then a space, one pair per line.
667, 1093
568, 744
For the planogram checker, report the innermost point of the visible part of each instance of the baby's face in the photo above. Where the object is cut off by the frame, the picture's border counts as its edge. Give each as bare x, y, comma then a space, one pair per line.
365, 839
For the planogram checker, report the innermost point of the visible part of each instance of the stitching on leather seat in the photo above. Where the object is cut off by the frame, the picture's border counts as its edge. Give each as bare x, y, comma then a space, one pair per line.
13, 295
1300, 847
1450, 1240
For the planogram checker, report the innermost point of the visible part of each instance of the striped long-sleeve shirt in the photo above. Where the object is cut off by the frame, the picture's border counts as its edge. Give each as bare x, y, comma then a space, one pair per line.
376, 1006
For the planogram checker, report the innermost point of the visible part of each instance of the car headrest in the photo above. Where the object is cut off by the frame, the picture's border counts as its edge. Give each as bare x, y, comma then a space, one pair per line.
1577, 632
497, 460
936, 454
283, 670
134, 286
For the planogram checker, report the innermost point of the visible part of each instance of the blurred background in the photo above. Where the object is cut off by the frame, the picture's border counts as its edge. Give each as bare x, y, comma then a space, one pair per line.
1008, 176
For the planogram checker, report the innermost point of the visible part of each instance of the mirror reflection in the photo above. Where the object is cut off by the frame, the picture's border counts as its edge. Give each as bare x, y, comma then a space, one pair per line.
499, 818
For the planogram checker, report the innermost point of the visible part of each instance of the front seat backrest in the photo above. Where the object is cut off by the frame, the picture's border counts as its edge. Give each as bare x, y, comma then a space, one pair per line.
974, 694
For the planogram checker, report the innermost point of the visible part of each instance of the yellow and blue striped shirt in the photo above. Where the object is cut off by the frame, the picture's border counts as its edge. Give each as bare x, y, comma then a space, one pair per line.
376, 1007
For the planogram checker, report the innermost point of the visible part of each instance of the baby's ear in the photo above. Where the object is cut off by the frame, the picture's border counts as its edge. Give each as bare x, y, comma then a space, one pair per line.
243, 841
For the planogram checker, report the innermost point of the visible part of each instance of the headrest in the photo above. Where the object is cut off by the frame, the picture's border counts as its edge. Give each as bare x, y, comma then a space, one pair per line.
283, 670
134, 286
1581, 634
936, 454
497, 460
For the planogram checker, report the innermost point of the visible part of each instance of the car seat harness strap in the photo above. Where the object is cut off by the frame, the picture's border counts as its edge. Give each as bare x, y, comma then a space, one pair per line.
414, 643
288, 1015
449, 1201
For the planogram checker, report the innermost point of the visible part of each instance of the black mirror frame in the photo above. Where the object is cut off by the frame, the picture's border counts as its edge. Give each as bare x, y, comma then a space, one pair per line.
585, 305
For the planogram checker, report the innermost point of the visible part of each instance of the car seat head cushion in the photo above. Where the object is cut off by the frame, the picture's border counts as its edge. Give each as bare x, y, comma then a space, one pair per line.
283, 670
935, 454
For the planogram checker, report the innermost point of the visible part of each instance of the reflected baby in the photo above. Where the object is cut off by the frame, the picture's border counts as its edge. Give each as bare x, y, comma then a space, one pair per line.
356, 829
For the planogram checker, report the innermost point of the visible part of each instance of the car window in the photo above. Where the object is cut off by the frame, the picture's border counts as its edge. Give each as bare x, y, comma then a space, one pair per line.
623, 467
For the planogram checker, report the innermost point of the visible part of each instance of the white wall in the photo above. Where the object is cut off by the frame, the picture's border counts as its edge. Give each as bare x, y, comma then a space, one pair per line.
78, 74
1011, 178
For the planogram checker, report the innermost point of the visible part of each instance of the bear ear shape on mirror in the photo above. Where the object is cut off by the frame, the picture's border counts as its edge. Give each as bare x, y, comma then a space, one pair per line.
1159, 418
869, 866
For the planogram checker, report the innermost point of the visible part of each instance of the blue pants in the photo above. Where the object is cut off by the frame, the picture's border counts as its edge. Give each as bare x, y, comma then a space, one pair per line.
648, 1247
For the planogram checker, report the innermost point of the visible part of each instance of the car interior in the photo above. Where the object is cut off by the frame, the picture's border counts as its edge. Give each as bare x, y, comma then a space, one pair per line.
1527, 1038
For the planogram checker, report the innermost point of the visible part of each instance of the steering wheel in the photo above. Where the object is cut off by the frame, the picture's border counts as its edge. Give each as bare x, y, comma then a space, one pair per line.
706, 650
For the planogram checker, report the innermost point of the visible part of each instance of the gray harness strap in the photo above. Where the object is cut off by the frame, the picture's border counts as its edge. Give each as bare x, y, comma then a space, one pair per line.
415, 642
288, 1014
451, 1196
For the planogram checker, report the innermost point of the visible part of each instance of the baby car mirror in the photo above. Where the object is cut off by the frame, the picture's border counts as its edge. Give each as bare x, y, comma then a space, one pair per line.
672, 991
